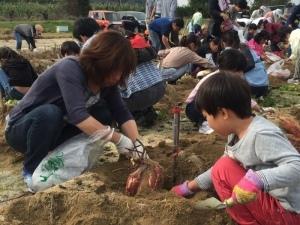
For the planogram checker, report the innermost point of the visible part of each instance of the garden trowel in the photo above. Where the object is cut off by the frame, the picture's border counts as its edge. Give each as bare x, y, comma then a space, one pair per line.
213, 203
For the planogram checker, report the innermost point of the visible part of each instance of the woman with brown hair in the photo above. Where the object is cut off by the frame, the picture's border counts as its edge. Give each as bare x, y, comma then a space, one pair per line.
64, 101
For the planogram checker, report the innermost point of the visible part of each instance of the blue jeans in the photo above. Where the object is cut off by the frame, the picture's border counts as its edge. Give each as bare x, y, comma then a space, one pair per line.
35, 134
146, 98
155, 40
6, 90
19, 39
40, 131
173, 74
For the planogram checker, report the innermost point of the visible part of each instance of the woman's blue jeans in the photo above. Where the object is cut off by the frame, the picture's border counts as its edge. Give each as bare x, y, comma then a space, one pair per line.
42, 129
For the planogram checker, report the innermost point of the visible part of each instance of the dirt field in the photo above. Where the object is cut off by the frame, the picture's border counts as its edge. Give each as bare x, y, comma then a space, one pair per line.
97, 197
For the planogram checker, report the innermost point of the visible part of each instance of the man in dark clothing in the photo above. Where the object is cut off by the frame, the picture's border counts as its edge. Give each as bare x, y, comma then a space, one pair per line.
220, 11
28, 33
160, 29
294, 18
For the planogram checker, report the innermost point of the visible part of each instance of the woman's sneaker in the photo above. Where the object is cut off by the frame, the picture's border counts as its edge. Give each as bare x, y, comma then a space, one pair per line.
28, 180
205, 128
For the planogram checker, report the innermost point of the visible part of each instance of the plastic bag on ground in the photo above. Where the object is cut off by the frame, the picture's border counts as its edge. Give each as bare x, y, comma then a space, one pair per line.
70, 159
273, 57
276, 70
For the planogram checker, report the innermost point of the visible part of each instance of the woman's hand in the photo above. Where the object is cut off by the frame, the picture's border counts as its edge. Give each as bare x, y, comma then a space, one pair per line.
132, 149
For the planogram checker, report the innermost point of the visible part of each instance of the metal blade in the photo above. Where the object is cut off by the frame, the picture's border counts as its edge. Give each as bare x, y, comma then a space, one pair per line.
210, 203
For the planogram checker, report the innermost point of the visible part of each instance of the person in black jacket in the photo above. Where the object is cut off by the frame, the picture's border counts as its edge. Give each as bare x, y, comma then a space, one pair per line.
294, 18
220, 10
16, 74
28, 33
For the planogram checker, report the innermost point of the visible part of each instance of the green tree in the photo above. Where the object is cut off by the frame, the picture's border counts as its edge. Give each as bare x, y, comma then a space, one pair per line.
75, 7
201, 6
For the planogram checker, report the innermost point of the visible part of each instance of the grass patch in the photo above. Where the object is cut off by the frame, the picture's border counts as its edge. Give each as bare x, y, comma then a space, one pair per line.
287, 95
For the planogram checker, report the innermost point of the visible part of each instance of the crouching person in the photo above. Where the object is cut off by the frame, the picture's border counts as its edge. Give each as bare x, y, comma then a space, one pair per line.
178, 61
60, 104
145, 85
16, 74
258, 175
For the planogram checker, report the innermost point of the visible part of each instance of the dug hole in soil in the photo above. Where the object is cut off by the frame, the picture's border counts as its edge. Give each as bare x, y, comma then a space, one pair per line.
98, 196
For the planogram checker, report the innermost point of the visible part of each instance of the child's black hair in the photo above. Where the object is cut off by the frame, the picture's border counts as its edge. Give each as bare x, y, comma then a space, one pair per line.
263, 35
179, 22
283, 32
69, 48
7, 54
191, 38
241, 4
232, 60
215, 40
252, 26
231, 39
225, 90
85, 27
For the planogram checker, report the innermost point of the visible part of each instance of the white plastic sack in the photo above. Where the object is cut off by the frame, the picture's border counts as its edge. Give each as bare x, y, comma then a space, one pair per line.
273, 57
240, 31
276, 70
70, 159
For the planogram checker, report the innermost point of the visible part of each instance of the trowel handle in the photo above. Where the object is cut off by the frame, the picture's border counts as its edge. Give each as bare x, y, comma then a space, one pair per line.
229, 202
176, 125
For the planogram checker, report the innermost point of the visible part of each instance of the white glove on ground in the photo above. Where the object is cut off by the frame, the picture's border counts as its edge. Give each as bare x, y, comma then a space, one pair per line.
132, 149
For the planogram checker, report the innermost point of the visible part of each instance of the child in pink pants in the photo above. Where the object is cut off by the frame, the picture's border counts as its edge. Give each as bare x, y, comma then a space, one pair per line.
258, 175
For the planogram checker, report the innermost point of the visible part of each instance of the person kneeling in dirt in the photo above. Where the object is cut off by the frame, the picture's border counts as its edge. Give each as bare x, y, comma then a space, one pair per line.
177, 61
28, 33
16, 74
145, 85
225, 64
69, 48
258, 176
63, 102
255, 72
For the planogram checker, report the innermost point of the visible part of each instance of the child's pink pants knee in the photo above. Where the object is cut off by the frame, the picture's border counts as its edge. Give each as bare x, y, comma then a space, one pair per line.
265, 210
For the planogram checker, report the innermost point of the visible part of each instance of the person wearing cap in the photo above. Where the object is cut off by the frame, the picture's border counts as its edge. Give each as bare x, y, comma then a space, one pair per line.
28, 33
294, 19
274, 16
258, 13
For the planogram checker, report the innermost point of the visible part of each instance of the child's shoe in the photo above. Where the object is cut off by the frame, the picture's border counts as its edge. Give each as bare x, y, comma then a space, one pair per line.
293, 81
205, 128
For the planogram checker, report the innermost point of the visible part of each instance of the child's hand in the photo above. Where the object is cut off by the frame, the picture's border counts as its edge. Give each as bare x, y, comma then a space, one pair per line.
182, 190
245, 191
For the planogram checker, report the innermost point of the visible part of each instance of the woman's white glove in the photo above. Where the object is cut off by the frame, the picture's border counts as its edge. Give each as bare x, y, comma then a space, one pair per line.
132, 149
